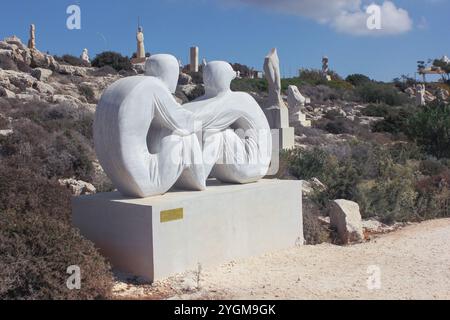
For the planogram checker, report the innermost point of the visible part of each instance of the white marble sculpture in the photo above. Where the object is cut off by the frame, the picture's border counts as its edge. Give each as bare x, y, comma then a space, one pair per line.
236, 140
272, 72
296, 102
85, 56
275, 110
420, 95
146, 142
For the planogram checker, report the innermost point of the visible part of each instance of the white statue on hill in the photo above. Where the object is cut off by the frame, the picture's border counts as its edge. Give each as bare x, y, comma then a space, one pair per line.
85, 56
420, 95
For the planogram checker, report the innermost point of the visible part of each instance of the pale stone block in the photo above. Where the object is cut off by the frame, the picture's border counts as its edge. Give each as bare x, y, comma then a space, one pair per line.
156, 237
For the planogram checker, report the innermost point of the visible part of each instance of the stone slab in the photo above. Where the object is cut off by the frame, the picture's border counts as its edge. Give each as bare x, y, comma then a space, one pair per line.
156, 237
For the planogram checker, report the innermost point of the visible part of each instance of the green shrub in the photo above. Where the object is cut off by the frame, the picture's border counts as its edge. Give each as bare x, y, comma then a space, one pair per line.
113, 59
249, 85
430, 128
392, 196
376, 110
395, 121
357, 79
340, 177
373, 92
434, 196
340, 126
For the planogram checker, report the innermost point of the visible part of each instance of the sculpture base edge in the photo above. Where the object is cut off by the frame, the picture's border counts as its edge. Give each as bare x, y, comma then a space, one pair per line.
156, 237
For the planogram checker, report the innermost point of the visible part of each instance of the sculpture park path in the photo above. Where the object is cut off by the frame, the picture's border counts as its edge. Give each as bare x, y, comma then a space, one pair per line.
412, 263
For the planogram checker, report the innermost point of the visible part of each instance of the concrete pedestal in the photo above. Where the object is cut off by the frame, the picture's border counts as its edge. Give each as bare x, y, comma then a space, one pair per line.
160, 236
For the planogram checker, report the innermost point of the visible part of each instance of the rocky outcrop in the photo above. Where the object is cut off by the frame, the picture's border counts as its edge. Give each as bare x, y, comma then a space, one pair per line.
184, 79
308, 187
345, 218
16, 50
72, 70
41, 74
78, 187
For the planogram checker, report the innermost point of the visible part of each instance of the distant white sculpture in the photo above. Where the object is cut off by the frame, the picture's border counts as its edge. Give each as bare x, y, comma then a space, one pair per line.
140, 52
275, 110
238, 74
272, 71
420, 95
204, 62
32, 40
296, 102
146, 142
85, 56
326, 68
193, 66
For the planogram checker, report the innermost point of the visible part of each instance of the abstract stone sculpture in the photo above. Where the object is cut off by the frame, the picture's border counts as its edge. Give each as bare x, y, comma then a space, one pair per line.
296, 102
147, 142
241, 155
275, 110
272, 71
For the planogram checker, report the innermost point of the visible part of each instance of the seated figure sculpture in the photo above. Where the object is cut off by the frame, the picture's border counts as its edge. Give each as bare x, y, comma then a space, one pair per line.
147, 143
236, 139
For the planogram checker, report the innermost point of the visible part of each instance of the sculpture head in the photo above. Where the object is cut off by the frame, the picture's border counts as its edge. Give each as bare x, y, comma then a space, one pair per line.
217, 76
164, 67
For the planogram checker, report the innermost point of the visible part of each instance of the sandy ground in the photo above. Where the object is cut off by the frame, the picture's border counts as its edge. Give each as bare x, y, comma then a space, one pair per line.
411, 263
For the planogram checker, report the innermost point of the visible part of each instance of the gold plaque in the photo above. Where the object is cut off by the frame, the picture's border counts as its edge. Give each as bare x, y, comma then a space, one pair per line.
171, 215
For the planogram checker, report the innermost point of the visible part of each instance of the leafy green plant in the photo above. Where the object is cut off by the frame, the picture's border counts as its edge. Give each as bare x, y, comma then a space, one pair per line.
430, 128
113, 59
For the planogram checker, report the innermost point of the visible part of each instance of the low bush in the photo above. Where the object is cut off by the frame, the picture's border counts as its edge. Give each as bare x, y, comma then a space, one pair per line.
376, 110
430, 128
394, 183
88, 93
249, 85
395, 121
358, 79
374, 92
112, 59
313, 231
35, 252
72, 60
37, 242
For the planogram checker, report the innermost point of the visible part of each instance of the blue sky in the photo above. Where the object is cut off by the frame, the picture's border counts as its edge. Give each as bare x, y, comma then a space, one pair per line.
244, 31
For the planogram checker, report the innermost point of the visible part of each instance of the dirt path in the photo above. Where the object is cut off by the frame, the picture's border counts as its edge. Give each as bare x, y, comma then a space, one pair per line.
413, 263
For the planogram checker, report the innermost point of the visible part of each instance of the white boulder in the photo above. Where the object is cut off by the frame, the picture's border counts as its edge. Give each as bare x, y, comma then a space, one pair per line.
345, 217
78, 187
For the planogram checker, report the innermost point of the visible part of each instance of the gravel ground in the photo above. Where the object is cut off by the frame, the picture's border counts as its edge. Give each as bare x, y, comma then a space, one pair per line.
411, 263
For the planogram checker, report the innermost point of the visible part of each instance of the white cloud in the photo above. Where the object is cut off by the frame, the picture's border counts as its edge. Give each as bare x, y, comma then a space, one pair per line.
345, 16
